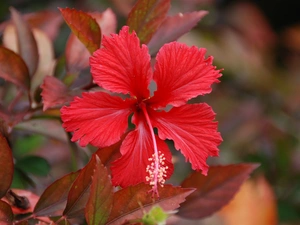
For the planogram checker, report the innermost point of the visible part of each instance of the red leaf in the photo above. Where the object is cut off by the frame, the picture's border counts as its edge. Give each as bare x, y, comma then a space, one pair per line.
46, 59
111, 152
54, 92
6, 165
77, 55
214, 190
55, 195
100, 201
60, 221
13, 68
6, 214
26, 42
46, 20
79, 192
146, 16
128, 201
84, 27
174, 27
45, 50
107, 21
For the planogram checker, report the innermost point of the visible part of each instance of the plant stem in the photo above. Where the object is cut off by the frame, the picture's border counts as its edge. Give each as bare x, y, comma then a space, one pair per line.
74, 153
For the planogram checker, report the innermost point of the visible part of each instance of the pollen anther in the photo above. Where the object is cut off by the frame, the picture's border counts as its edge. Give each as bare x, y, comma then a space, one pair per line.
157, 175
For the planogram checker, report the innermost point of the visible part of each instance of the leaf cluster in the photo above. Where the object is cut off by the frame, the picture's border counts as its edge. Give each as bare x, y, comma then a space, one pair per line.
36, 86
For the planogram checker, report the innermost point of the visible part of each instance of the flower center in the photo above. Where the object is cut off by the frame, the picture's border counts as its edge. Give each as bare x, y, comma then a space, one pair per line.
156, 170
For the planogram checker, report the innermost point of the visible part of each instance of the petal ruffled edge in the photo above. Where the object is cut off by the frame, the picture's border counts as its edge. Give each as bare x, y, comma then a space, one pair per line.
122, 65
97, 118
182, 73
193, 131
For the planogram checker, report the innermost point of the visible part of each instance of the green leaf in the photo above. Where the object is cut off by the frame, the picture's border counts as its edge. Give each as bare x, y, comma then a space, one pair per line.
14, 69
21, 180
60, 68
27, 144
100, 201
214, 190
84, 27
34, 164
146, 16
54, 197
6, 214
6, 165
287, 211
28, 49
155, 216
128, 201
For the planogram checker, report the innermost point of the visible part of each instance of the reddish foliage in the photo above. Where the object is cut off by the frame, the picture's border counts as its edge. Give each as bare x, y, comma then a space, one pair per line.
214, 190
146, 16
128, 201
6, 214
174, 27
6, 163
77, 55
80, 191
100, 200
26, 42
128, 120
84, 27
54, 197
54, 92
14, 69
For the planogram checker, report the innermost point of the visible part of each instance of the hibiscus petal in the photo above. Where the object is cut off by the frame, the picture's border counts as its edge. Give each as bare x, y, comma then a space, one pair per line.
122, 65
97, 118
193, 131
182, 73
136, 149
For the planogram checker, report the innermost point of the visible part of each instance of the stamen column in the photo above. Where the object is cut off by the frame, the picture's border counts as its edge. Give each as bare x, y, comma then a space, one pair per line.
156, 169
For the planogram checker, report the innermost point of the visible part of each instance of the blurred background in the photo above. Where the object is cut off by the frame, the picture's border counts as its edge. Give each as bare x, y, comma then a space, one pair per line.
257, 102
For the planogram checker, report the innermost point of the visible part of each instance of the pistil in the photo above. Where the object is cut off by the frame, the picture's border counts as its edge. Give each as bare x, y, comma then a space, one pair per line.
156, 169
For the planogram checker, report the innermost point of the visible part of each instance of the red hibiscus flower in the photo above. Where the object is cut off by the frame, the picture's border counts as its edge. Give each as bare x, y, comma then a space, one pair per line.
123, 66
